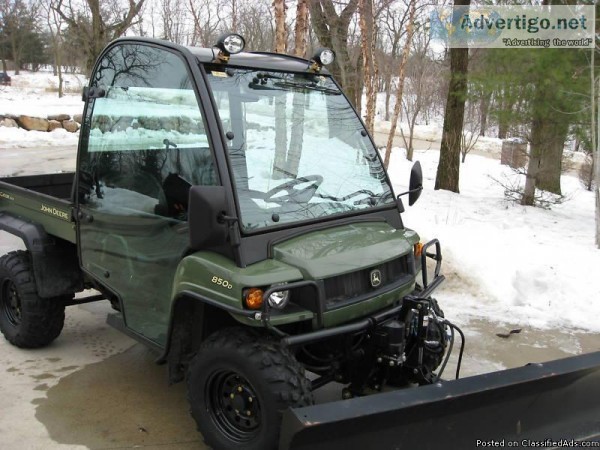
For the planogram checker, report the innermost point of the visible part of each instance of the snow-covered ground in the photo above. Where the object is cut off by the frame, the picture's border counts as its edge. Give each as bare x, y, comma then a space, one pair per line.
504, 263
508, 263
36, 94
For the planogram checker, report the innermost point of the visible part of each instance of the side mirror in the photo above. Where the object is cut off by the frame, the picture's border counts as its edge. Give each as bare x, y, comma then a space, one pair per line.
415, 185
207, 206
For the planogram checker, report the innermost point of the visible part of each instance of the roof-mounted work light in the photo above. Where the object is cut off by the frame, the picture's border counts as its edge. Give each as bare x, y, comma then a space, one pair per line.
322, 57
229, 44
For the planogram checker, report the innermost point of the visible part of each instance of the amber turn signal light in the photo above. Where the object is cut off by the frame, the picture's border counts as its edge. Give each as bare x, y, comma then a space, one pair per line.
418, 249
254, 298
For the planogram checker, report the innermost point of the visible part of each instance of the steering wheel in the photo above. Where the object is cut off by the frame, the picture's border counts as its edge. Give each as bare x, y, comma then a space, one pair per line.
292, 193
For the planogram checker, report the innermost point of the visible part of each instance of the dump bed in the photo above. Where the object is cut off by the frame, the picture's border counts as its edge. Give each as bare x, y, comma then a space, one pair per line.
42, 199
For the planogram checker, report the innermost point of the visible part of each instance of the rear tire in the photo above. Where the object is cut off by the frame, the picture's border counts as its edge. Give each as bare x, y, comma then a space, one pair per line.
26, 320
238, 384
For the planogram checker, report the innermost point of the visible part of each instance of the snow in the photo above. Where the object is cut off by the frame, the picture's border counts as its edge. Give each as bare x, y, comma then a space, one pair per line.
508, 263
36, 94
504, 263
20, 138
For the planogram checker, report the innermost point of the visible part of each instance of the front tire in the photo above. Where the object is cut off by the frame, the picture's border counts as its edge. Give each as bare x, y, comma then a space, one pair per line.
238, 384
26, 320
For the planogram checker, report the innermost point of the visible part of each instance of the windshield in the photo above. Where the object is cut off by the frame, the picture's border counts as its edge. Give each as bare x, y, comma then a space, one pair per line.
297, 149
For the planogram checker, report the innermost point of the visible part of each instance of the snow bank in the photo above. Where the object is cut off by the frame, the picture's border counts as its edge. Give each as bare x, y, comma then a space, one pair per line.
506, 262
20, 138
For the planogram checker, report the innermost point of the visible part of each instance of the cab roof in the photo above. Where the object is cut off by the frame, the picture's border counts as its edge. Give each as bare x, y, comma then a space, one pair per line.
258, 60
254, 60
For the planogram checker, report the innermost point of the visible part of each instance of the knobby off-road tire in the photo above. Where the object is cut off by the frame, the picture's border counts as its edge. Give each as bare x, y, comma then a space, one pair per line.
239, 382
26, 320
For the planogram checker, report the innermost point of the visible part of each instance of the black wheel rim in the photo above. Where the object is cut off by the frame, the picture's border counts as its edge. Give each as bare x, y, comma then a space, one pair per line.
233, 405
11, 302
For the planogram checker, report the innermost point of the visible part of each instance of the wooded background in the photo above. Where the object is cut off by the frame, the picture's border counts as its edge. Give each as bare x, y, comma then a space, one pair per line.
548, 97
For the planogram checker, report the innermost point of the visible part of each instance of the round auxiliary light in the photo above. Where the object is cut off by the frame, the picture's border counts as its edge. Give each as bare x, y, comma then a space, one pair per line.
324, 56
279, 299
231, 43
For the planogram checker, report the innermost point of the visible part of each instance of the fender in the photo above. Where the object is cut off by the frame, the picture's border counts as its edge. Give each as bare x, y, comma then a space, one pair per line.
55, 263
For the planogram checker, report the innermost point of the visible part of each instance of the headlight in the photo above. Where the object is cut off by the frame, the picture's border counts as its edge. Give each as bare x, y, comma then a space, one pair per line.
279, 299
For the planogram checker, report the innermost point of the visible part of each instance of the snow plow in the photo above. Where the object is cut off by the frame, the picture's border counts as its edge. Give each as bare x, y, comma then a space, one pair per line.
262, 268
551, 405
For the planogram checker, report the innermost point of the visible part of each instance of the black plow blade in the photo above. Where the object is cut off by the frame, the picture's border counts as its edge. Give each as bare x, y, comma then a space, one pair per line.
554, 402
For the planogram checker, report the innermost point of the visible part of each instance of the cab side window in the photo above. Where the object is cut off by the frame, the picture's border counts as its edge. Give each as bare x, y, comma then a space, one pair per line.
146, 142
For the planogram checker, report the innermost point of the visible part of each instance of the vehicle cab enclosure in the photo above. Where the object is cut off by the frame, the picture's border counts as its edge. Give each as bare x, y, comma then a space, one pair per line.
204, 181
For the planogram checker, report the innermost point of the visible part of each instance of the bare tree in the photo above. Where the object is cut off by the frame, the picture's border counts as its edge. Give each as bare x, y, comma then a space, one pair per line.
447, 176
399, 92
256, 24
97, 24
55, 25
206, 21
470, 132
173, 21
421, 74
331, 28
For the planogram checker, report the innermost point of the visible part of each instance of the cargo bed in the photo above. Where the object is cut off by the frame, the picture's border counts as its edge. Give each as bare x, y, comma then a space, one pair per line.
43, 199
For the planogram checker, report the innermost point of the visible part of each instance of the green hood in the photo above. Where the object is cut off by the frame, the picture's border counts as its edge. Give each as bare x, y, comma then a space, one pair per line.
344, 249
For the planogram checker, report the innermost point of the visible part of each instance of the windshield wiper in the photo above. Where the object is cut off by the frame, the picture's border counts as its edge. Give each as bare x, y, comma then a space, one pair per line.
263, 87
372, 199
279, 83
311, 86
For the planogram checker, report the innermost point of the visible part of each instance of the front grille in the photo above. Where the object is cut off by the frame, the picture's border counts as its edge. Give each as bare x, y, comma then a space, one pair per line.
344, 288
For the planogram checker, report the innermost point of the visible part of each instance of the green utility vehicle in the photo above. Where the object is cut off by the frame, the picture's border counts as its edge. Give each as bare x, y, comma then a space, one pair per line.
236, 214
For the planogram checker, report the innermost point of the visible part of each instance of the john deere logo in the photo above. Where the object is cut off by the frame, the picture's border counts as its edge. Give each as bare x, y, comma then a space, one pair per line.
375, 277
55, 212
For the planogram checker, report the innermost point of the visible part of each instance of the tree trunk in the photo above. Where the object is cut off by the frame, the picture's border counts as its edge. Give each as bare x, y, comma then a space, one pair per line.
447, 176
16, 53
505, 112
538, 133
484, 108
58, 59
365, 8
597, 162
279, 163
548, 178
410, 151
297, 134
234, 16
280, 28
301, 29
388, 94
401, 75
502, 129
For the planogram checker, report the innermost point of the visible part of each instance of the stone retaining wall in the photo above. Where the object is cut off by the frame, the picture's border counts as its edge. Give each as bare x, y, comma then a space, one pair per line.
51, 123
